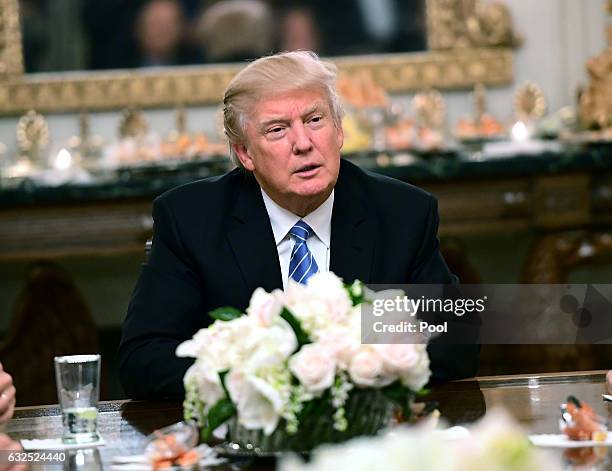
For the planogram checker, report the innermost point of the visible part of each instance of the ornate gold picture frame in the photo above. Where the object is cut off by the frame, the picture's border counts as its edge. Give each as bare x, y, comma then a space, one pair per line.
470, 42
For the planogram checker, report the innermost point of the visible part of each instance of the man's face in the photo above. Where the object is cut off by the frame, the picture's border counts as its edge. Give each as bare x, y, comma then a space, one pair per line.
293, 149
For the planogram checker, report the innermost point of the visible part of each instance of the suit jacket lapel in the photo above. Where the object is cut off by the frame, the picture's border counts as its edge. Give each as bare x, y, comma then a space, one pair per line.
251, 238
353, 231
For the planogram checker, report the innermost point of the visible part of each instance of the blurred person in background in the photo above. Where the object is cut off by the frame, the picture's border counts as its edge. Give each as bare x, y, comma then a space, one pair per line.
159, 28
138, 33
298, 29
368, 26
53, 35
236, 30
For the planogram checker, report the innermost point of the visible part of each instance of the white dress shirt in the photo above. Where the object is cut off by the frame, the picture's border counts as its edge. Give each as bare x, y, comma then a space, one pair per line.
319, 241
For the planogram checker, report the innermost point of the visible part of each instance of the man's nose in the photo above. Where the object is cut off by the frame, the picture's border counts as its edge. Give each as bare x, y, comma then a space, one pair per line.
301, 139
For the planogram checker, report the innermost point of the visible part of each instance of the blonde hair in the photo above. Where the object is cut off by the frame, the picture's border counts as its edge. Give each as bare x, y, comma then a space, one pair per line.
274, 75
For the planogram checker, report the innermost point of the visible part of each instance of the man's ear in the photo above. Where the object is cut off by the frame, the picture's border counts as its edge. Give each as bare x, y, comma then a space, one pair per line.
340, 135
244, 156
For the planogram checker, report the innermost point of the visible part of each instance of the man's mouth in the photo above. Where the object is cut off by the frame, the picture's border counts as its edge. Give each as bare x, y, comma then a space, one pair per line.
306, 169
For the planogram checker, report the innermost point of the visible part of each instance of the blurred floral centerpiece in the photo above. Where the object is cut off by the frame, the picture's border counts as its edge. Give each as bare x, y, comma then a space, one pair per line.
292, 373
495, 443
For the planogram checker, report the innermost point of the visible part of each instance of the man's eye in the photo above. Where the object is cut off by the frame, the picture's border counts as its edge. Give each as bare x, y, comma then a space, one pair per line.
275, 130
316, 119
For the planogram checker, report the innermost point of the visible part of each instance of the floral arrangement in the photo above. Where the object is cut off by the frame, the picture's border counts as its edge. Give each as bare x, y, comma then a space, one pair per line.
495, 443
295, 361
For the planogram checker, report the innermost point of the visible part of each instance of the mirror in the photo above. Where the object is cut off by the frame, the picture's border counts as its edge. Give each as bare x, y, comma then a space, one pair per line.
468, 42
63, 35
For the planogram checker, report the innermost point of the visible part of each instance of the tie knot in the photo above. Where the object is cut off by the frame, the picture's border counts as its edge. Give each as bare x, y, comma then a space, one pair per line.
301, 230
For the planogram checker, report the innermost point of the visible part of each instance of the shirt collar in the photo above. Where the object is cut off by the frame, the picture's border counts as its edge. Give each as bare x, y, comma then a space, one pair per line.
283, 220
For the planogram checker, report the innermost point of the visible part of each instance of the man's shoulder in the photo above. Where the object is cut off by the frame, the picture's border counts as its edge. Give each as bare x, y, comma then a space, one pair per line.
207, 192
385, 188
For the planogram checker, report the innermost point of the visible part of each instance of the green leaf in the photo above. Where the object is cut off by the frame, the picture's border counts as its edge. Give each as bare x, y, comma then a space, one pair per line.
225, 314
217, 415
222, 375
300, 334
401, 395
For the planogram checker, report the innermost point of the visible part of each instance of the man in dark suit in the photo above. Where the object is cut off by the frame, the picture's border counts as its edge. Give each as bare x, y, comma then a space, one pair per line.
217, 240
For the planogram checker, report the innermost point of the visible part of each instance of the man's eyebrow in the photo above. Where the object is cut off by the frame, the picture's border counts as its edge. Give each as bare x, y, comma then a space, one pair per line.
313, 109
317, 107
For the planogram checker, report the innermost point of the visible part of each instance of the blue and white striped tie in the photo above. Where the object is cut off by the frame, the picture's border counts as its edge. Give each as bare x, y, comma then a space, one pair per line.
302, 264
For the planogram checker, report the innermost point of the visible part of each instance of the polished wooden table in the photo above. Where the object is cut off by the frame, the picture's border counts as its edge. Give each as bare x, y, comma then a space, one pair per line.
533, 400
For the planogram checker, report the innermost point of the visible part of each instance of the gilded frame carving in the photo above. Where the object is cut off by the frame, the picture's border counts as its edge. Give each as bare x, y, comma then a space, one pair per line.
470, 43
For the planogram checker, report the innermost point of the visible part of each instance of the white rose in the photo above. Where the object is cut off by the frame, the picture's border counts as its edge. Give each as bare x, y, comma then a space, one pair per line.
398, 358
322, 304
418, 376
189, 348
314, 368
207, 381
220, 346
312, 316
366, 369
195, 346
265, 307
274, 345
329, 289
296, 293
258, 403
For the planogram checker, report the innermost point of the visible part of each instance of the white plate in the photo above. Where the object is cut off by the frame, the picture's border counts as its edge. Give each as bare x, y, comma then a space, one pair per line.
552, 440
57, 444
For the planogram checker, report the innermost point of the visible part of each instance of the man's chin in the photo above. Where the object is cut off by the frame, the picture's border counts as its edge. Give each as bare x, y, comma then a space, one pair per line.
314, 190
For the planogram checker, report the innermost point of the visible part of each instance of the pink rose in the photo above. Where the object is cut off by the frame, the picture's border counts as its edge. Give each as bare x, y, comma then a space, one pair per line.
367, 369
314, 368
397, 358
340, 345
418, 376
264, 306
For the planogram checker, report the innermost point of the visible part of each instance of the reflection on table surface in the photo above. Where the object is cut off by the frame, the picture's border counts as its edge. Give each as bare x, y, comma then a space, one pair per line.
532, 399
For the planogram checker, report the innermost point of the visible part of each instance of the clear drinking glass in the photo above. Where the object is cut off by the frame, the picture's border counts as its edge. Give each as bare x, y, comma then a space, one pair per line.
84, 459
78, 390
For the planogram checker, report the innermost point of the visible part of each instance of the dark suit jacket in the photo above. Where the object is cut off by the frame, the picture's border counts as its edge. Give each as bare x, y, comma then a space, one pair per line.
213, 246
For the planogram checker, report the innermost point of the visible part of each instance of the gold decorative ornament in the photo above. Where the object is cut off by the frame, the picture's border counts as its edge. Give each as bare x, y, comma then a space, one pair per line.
11, 57
180, 117
529, 102
470, 43
596, 100
133, 124
32, 135
178, 143
468, 24
481, 125
429, 110
479, 97
85, 145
